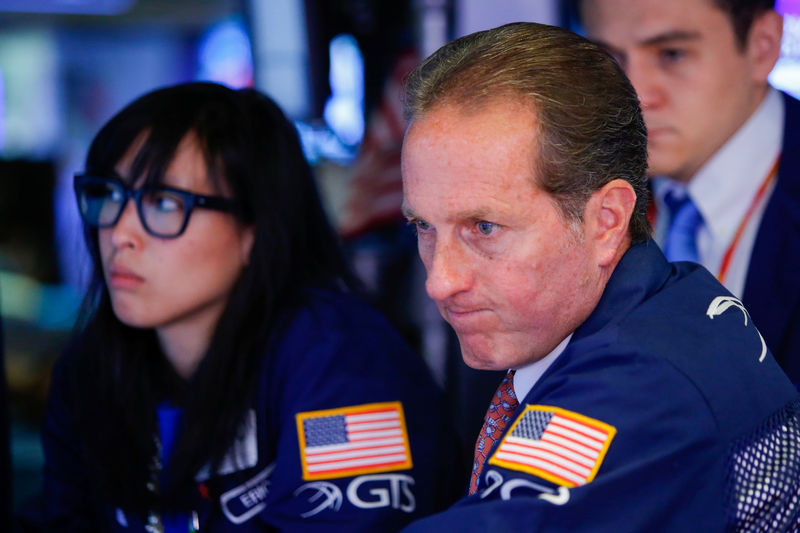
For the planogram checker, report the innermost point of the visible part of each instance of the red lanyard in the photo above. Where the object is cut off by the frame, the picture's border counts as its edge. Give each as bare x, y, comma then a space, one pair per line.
726, 259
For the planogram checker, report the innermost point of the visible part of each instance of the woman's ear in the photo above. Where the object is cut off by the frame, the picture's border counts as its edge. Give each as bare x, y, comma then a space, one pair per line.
607, 217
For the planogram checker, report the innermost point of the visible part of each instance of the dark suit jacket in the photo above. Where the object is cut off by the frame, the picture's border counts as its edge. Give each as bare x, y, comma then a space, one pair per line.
772, 287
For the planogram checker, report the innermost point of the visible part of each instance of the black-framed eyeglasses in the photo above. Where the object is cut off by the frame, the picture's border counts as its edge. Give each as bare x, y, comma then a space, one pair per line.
164, 211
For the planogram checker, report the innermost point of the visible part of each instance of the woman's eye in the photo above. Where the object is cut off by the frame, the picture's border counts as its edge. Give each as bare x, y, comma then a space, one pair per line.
165, 202
486, 228
422, 225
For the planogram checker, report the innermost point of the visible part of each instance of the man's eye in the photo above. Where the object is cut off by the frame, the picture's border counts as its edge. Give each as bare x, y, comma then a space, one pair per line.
671, 55
486, 228
422, 225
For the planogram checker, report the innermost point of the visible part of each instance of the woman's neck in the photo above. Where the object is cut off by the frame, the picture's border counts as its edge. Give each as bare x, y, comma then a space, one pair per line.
184, 346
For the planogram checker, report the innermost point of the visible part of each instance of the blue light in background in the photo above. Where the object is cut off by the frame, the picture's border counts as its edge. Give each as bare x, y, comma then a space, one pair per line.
788, 7
75, 7
225, 55
339, 136
2, 111
786, 74
344, 110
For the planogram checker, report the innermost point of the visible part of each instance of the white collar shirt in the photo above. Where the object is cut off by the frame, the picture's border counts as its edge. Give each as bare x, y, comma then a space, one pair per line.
526, 377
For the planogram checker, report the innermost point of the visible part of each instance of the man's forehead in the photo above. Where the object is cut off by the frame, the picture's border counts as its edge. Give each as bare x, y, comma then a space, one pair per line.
462, 197
645, 22
482, 126
450, 141
616, 8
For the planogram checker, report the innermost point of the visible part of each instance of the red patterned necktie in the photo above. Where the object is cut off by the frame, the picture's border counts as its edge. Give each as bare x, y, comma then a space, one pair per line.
500, 411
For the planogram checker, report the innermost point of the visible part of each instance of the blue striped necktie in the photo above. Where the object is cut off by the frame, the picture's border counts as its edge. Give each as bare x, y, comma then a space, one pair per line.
685, 220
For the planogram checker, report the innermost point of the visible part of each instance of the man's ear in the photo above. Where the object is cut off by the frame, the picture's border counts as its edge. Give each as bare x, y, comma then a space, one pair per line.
606, 219
764, 43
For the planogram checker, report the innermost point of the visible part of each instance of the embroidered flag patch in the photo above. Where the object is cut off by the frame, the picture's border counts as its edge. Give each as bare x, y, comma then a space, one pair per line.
355, 440
561, 446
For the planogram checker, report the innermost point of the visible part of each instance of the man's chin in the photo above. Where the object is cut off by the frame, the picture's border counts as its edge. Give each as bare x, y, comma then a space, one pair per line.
665, 163
480, 359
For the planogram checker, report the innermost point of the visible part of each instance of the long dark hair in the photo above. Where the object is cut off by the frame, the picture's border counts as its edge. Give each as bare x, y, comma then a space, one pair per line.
120, 375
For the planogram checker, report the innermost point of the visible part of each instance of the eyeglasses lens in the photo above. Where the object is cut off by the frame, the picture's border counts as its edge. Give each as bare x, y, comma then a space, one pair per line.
100, 203
164, 212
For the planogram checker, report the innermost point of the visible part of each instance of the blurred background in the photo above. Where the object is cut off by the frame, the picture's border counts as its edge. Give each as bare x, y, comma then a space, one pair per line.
335, 66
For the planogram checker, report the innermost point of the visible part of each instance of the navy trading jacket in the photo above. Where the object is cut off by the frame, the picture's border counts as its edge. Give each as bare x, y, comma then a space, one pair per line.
633, 426
346, 434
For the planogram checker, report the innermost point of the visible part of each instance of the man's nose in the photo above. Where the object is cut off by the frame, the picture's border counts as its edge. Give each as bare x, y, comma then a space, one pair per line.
449, 270
646, 79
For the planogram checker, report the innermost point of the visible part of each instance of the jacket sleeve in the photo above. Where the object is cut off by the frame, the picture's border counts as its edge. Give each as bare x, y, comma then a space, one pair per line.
346, 381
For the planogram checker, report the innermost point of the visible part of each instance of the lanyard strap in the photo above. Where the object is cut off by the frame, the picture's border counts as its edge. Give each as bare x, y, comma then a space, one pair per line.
726, 259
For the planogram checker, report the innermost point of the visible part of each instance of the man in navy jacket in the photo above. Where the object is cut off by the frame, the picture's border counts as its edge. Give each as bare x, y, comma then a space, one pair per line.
639, 394
719, 133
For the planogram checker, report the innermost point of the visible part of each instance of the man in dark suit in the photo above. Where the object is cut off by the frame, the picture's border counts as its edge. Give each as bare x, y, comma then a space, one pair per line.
720, 136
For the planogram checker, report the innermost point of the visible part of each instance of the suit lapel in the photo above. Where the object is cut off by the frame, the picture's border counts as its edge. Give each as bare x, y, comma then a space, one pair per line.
772, 287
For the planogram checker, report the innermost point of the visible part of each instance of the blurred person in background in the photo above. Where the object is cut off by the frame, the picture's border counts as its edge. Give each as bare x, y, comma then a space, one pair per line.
724, 146
223, 376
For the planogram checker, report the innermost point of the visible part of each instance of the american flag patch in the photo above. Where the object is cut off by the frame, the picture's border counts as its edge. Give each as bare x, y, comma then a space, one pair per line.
354, 440
561, 446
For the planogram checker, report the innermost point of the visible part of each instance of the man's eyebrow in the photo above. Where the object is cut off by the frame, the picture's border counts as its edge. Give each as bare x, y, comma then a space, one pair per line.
672, 35
661, 38
473, 214
476, 214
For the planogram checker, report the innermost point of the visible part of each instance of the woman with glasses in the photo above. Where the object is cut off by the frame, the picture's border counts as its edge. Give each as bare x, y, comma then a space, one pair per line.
223, 378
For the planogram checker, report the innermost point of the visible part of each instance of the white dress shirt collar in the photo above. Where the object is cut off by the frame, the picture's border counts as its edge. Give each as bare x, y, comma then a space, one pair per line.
725, 186
526, 377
